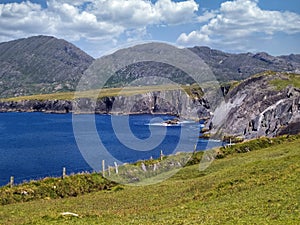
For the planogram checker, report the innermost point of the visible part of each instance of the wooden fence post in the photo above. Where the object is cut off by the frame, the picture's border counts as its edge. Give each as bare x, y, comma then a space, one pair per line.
116, 165
103, 168
161, 155
109, 170
64, 173
11, 182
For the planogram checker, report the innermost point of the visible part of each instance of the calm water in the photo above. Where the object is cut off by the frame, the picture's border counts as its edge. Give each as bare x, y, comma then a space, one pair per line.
35, 145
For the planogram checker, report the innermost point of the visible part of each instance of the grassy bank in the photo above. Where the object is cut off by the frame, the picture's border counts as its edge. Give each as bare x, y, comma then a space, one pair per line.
53, 188
259, 186
100, 93
291, 80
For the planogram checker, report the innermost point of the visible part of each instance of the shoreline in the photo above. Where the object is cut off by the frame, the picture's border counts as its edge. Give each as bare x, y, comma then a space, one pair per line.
19, 109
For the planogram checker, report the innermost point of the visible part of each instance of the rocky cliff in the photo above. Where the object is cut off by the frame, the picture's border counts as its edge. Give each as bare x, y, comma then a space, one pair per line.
176, 102
263, 105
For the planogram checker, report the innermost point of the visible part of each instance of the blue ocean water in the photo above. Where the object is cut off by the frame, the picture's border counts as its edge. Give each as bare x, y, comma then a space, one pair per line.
36, 145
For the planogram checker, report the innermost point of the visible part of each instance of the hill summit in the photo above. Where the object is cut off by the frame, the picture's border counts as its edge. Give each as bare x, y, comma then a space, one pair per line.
40, 64
45, 64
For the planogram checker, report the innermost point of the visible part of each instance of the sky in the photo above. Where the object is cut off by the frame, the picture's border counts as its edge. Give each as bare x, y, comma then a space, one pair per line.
99, 26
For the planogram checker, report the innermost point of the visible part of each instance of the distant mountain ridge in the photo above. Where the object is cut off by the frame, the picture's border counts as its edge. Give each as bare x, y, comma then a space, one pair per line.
228, 66
40, 64
43, 64
224, 66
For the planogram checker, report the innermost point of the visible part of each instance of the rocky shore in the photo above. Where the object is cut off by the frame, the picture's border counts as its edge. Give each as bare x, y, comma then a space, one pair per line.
175, 102
257, 107
251, 109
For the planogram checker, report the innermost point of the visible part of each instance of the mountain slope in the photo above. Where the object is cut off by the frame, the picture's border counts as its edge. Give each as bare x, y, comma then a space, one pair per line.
43, 64
228, 66
212, 65
40, 64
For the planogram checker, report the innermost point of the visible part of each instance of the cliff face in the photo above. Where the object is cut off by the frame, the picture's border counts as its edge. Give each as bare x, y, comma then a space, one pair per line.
257, 108
264, 105
175, 102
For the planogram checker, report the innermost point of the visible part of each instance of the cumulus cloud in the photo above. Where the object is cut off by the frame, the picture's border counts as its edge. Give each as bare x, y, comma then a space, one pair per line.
239, 20
176, 12
15, 18
92, 19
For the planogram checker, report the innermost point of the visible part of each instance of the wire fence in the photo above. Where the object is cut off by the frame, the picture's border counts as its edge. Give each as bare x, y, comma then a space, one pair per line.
12, 180
64, 171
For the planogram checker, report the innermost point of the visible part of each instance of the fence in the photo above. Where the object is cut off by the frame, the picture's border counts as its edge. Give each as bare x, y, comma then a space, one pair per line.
108, 170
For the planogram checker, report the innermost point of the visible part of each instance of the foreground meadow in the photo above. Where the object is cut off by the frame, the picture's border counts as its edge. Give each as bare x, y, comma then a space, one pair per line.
257, 187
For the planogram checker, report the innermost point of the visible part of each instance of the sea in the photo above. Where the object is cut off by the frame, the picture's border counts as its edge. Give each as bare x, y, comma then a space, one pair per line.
35, 145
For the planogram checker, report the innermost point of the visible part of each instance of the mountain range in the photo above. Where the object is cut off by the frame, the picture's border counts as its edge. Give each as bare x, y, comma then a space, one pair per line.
40, 64
44, 64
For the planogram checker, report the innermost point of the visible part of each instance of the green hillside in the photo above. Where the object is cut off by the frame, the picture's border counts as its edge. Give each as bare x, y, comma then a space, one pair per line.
108, 92
40, 64
256, 187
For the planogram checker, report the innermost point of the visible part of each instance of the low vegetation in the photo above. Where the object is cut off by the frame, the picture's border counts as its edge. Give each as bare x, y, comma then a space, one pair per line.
256, 144
52, 188
291, 80
192, 90
259, 186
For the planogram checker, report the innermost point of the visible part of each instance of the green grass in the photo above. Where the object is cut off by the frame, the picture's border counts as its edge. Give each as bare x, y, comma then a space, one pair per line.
52, 188
192, 90
291, 80
256, 187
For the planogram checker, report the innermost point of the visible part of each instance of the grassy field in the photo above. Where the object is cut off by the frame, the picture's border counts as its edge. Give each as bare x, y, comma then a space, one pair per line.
256, 187
100, 93
291, 80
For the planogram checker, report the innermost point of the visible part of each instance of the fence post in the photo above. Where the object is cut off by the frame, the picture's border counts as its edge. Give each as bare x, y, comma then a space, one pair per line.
161, 155
109, 170
116, 165
64, 173
103, 168
11, 182
195, 148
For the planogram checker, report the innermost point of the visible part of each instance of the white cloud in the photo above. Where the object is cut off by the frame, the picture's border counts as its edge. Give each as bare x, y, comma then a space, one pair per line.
72, 23
91, 19
207, 15
241, 20
176, 12
15, 18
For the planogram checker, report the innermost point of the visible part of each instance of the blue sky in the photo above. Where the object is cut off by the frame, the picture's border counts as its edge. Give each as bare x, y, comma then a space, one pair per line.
97, 26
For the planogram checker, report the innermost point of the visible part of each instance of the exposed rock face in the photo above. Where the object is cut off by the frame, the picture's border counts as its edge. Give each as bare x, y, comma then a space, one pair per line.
161, 102
255, 108
55, 106
252, 109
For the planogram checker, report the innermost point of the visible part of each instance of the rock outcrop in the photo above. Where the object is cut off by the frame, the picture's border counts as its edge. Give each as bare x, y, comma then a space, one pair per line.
175, 102
257, 108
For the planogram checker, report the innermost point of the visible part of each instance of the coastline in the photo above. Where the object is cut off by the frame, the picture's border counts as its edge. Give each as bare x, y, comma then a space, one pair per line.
100, 107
